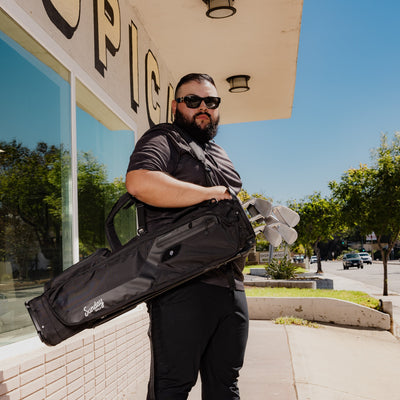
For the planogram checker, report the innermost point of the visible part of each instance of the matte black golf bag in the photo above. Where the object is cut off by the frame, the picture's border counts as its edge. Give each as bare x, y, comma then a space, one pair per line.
108, 283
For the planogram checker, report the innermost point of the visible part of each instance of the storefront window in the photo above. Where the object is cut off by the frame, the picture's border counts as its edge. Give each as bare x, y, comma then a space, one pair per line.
104, 145
36, 207
34, 180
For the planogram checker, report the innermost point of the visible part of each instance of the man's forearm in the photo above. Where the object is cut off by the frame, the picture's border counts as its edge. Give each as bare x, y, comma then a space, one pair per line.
161, 190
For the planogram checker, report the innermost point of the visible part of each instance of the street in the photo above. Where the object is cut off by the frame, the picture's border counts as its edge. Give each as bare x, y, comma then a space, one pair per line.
370, 274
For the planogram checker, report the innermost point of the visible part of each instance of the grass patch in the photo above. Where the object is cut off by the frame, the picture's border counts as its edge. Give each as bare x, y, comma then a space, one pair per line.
349, 295
246, 270
295, 321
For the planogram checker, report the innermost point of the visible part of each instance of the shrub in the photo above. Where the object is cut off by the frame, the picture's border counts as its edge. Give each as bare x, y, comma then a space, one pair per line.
281, 269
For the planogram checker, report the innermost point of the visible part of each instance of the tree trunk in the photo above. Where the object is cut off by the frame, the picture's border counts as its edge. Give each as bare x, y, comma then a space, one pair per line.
385, 273
317, 251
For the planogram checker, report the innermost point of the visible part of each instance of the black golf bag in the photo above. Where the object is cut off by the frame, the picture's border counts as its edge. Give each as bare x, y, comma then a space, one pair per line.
108, 283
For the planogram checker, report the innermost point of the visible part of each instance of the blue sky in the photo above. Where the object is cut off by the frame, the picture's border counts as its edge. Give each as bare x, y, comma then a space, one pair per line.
347, 93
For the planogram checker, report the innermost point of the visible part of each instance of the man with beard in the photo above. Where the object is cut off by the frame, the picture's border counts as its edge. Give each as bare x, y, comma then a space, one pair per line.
200, 326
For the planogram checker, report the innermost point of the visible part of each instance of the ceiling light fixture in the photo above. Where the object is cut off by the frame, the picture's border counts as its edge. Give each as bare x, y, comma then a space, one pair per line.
239, 83
220, 8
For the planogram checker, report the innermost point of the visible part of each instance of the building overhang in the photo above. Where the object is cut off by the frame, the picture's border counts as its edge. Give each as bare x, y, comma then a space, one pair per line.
260, 40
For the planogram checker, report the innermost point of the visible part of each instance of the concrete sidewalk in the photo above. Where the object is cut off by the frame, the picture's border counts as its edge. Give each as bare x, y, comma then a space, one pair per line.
326, 363
268, 371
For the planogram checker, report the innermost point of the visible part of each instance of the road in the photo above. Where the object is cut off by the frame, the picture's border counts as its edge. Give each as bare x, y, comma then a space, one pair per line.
370, 274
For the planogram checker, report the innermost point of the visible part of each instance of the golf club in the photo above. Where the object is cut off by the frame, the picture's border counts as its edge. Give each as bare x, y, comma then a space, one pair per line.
289, 235
258, 206
273, 236
286, 215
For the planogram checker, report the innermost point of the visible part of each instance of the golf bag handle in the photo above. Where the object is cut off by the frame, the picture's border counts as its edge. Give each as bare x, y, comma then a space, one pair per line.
125, 201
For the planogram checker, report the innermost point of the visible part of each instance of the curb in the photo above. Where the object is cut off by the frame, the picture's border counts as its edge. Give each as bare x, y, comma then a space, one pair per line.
325, 310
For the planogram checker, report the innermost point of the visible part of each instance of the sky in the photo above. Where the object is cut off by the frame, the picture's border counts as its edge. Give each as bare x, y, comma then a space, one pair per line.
347, 94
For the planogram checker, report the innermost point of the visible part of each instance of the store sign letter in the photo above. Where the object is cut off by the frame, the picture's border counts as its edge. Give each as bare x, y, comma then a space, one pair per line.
64, 14
169, 101
134, 65
152, 89
107, 31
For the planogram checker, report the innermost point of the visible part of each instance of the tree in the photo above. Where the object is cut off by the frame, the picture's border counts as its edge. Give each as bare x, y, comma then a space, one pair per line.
25, 188
370, 198
318, 222
31, 198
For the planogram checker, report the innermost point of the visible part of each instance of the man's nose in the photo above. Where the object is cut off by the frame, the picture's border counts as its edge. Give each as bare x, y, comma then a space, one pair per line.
203, 105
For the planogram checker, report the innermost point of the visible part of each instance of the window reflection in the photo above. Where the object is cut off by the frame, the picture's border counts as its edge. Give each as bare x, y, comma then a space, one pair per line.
34, 176
103, 156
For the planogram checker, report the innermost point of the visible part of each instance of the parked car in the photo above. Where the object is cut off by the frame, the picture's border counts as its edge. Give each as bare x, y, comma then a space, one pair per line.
365, 257
298, 259
313, 259
352, 260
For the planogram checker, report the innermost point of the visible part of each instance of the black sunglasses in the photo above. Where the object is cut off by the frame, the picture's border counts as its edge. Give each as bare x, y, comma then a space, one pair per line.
193, 101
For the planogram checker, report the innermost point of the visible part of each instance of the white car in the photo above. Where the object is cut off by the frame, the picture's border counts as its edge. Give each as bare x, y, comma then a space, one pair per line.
365, 257
313, 259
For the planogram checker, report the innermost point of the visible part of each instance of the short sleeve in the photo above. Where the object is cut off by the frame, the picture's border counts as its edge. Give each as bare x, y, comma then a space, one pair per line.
154, 152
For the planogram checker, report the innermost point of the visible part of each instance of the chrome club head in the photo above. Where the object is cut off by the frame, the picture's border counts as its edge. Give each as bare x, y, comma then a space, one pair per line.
286, 215
258, 206
272, 235
289, 235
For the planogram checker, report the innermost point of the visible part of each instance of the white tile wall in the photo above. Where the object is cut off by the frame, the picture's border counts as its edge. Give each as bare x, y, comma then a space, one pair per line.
107, 362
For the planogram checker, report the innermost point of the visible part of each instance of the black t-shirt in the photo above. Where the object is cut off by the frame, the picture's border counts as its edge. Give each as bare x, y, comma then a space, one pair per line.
163, 149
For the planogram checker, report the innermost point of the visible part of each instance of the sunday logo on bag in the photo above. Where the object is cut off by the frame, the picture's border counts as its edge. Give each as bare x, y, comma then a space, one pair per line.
96, 306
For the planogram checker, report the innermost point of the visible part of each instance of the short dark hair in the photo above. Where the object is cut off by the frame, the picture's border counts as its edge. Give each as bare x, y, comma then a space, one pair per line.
194, 77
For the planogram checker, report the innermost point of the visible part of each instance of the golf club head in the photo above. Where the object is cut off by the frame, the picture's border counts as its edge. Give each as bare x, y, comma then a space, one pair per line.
289, 235
257, 218
270, 220
273, 236
259, 229
258, 206
286, 215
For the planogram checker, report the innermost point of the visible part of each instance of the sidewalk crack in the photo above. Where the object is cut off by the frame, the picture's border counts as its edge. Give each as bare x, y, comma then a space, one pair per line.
291, 363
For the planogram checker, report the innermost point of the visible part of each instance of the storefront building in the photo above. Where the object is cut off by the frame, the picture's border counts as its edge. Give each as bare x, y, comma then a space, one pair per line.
80, 81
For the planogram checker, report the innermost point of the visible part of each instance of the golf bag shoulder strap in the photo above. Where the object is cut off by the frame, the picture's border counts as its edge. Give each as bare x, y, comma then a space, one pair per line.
199, 153
185, 144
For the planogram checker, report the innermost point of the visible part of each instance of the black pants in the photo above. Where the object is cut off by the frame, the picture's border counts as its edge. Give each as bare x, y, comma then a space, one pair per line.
197, 327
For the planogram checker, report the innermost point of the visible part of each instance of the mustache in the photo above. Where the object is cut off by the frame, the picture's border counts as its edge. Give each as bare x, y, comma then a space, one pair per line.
203, 113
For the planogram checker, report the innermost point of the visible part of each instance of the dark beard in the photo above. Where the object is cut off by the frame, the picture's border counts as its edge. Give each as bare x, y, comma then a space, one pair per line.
198, 134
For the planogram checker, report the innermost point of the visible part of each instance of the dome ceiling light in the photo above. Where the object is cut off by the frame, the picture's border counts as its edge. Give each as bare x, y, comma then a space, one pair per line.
220, 8
239, 83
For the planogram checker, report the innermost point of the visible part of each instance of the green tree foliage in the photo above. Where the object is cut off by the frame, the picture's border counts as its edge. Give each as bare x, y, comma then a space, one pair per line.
31, 204
243, 196
319, 221
370, 198
95, 198
26, 211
